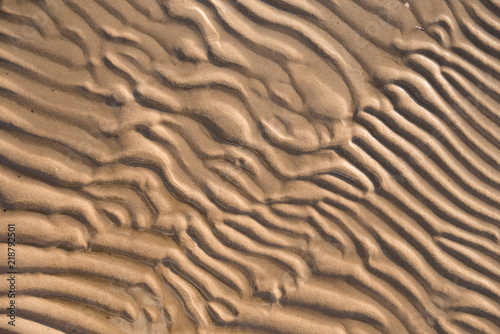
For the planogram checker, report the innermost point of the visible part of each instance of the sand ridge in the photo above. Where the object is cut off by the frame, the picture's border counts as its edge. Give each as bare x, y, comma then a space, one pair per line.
251, 166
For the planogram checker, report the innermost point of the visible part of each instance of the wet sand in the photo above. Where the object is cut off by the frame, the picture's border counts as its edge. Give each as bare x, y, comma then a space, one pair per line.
250, 166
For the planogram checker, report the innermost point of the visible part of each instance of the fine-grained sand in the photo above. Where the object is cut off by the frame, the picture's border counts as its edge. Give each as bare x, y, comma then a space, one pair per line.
250, 166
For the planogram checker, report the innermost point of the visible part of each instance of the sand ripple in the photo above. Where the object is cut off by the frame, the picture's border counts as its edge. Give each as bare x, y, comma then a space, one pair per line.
252, 166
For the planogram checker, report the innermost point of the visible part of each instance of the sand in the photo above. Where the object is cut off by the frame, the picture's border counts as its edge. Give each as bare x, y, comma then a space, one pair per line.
250, 166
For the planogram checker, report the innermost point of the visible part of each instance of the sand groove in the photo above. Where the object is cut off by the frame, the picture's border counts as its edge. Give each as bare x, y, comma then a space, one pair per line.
252, 166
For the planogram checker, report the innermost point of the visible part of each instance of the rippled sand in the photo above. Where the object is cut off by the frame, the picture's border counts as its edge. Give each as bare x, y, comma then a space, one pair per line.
251, 166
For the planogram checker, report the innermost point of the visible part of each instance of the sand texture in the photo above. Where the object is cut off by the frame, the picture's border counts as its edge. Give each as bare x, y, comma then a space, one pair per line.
251, 166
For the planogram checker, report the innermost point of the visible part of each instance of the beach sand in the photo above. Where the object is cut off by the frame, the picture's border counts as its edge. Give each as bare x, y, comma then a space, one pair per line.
250, 166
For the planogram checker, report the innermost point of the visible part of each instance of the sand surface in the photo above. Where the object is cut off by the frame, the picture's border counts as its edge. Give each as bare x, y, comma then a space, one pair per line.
250, 166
